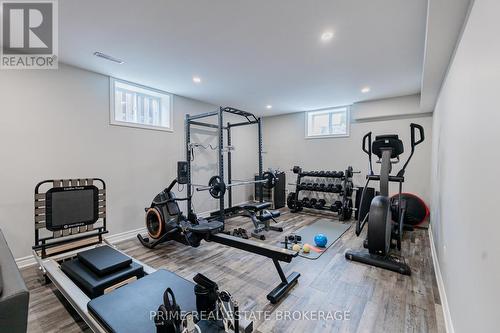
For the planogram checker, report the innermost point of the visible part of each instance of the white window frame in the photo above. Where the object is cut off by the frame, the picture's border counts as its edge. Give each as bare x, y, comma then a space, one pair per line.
115, 122
347, 109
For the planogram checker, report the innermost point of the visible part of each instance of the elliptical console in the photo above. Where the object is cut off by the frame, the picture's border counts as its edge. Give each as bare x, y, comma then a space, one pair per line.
382, 231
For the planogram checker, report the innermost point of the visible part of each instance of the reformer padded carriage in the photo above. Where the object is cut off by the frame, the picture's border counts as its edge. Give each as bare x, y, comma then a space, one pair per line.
110, 290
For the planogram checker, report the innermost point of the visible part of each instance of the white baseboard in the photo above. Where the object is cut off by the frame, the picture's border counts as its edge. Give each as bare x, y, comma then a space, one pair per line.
126, 235
25, 261
440, 283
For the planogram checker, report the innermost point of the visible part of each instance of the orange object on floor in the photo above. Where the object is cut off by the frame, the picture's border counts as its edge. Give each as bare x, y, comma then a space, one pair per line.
314, 248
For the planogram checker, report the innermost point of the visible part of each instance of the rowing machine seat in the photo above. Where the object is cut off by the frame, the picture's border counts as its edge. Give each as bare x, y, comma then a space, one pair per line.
206, 228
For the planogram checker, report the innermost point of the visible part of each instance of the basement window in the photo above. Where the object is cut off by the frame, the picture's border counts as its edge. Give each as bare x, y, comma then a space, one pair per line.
134, 105
328, 123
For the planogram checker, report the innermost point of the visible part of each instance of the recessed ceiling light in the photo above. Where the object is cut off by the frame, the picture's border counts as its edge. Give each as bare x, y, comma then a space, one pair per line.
196, 79
108, 57
326, 36
269, 107
365, 90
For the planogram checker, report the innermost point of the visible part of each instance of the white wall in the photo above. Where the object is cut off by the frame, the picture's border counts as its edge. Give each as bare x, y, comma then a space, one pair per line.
55, 124
284, 137
389, 107
464, 175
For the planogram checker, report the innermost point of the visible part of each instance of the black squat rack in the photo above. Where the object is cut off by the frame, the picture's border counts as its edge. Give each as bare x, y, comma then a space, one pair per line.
247, 119
338, 183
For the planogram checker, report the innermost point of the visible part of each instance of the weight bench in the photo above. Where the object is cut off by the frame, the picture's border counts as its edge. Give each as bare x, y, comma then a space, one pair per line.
261, 218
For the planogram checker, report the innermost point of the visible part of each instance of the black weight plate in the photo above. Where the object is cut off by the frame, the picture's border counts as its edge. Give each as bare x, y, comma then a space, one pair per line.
270, 180
291, 201
217, 187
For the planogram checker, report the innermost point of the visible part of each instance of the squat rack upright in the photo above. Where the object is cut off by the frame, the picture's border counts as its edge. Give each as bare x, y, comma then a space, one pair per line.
193, 120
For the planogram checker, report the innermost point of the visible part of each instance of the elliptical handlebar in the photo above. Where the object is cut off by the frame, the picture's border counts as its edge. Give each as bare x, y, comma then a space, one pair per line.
421, 134
369, 150
414, 143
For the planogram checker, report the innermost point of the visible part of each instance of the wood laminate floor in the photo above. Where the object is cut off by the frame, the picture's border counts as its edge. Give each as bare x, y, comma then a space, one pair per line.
374, 300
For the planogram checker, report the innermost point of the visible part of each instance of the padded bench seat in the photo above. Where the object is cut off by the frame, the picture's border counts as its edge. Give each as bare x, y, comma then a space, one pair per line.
256, 206
268, 215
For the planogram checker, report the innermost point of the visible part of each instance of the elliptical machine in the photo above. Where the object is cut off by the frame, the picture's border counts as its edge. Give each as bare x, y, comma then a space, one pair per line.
384, 234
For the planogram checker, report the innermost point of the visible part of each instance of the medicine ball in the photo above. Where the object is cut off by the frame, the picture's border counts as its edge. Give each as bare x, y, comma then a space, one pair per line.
416, 209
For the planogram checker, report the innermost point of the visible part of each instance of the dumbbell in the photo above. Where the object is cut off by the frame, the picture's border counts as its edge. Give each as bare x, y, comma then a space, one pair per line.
305, 202
322, 186
329, 188
321, 203
315, 186
321, 173
310, 186
336, 206
291, 239
312, 202
340, 174
296, 169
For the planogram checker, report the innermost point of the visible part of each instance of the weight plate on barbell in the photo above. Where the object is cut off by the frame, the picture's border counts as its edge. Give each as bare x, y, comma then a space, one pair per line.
270, 180
217, 187
349, 172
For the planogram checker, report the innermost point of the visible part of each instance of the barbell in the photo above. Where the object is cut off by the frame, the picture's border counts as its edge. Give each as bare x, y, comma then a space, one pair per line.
217, 188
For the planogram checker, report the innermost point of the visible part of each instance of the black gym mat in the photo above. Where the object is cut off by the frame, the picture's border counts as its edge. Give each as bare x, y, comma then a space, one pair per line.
331, 229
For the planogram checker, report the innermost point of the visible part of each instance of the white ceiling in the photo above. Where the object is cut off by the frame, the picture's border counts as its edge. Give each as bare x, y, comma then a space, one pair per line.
252, 53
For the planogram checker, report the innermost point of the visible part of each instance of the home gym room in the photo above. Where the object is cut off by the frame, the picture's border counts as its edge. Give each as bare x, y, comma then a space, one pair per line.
249, 166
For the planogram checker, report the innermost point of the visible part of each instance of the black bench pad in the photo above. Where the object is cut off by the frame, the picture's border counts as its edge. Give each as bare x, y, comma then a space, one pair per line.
104, 260
268, 215
128, 309
94, 285
256, 206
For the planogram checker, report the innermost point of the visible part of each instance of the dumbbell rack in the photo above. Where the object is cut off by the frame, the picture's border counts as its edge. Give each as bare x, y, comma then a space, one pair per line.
344, 189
